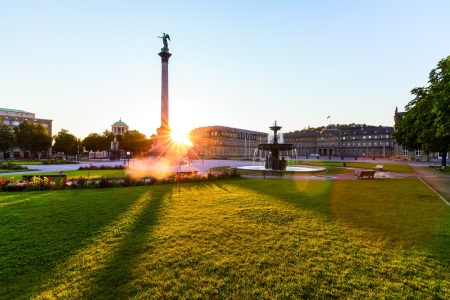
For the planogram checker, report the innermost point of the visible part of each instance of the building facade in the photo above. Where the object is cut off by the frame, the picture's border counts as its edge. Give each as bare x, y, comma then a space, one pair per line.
357, 142
13, 118
223, 142
226, 142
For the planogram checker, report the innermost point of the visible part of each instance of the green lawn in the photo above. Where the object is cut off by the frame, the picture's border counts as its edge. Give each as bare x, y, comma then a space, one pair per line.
388, 167
92, 174
238, 239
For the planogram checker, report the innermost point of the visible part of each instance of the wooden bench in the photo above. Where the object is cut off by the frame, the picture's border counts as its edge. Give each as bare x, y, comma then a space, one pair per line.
272, 172
186, 174
368, 174
441, 169
379, 167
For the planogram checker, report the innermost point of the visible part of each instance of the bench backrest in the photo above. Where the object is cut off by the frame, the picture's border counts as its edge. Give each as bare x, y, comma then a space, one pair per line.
367, 172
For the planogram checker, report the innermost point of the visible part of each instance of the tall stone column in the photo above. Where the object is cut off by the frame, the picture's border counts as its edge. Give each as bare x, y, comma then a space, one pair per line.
165, 89
163, 132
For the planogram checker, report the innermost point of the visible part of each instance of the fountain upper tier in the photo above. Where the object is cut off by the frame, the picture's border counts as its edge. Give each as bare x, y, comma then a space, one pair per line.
275, 145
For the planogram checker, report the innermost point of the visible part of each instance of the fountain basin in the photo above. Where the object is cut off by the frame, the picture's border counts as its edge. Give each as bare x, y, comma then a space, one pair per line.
289, 169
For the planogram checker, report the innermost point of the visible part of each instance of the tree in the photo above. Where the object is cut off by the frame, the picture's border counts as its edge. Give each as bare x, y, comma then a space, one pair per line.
93, 142
425, 124
440, 91
108, 137
65, 142
135, 142
97, 142
7, 138
32, 137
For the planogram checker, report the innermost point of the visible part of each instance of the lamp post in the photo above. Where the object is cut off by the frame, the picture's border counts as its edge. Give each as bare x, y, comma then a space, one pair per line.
128, 157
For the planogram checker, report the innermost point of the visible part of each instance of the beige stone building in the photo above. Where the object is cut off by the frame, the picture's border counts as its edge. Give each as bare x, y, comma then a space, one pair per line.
13, 118
356, 142
227, 142
223, 142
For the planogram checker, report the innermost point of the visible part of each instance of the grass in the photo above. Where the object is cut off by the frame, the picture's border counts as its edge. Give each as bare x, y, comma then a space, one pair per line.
26, 162
397, 168
91, 174
241, 239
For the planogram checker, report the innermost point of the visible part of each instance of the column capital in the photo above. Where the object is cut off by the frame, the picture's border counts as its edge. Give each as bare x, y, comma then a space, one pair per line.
165, 56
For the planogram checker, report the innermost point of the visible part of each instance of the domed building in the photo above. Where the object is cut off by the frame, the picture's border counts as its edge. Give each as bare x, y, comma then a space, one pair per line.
119, 127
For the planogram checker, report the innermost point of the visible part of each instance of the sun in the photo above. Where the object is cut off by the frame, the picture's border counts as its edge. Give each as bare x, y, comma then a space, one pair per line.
180, 137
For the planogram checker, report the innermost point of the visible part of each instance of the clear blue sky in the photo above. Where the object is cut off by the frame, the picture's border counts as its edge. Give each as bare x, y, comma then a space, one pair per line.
244, 64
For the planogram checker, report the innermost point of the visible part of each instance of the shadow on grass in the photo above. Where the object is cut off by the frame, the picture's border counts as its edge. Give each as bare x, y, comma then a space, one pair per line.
116, 273
381, 212
40, 232
306, 194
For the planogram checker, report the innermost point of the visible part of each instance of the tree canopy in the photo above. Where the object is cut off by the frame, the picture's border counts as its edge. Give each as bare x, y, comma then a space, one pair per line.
32, 137
98, 142
135, 142
7, 138
65, 142
426, 124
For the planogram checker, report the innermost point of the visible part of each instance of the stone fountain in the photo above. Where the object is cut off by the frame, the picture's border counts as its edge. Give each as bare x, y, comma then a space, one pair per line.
276, 147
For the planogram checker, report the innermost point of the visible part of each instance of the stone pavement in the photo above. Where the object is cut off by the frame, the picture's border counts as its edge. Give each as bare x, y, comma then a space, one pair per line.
439, 181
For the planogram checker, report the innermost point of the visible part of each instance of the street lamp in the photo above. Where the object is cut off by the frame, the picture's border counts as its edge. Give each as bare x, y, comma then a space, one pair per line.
128, 157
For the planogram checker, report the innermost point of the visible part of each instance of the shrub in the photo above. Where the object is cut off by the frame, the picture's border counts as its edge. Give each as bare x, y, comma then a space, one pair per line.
10, 166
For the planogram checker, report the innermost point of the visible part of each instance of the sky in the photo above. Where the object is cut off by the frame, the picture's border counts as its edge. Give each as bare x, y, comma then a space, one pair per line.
244, 64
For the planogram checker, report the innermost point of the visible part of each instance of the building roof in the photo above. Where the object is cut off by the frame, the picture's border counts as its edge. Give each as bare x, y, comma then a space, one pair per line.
120, 123
14, 110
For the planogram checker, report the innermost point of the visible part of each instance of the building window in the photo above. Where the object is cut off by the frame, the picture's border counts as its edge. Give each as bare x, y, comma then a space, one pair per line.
6, 122
418, 152
15, 123
405, 152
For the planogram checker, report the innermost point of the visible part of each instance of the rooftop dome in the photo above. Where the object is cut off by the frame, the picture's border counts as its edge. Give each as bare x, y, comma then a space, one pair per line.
120, 123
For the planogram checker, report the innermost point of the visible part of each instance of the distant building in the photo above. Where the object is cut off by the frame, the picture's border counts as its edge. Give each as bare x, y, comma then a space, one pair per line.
225, 142
357, 142
228, 142
13, 118
119, 128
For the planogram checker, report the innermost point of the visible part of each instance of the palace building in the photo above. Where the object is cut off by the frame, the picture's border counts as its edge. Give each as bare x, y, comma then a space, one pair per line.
357, 142
225, 142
